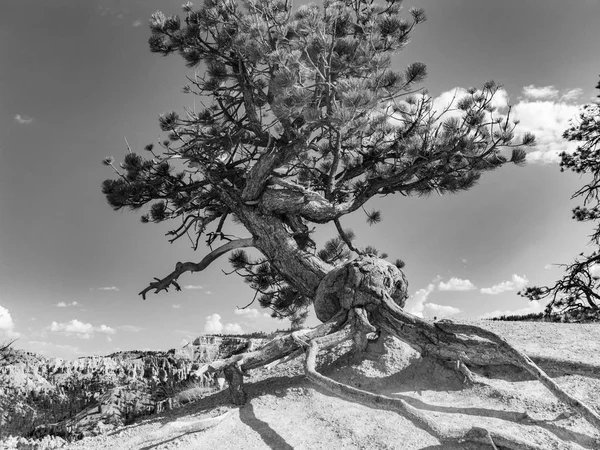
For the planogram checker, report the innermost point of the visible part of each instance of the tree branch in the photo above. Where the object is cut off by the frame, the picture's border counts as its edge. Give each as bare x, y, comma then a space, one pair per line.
181, 268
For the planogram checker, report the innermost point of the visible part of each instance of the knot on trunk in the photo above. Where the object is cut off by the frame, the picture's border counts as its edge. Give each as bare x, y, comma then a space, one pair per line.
359, 283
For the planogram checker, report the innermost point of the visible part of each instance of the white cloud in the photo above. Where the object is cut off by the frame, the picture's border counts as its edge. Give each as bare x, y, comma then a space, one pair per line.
456, 284
130, 328
193, 287
136, 23
105, 329
23, 120
547, 120
176, 306
548, 266
78, 329
514, 284
64, 305
213, 325
571, 94
250, 313
415, 303
108, 288
418, 306
534, 307
538, 93
7, 326
439, 311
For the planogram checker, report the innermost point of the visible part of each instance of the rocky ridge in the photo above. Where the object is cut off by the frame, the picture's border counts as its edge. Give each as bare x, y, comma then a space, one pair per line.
74, 398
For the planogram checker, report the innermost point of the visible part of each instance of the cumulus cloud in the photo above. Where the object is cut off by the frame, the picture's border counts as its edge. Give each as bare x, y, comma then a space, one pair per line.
136, 23
193, 287
416, 302
176, 306
547, 120
7, 326
456, 284
78, 329
514, 284
435, 310
548, 266
213, 325
64, 305
23, 120
539, 93
534, 307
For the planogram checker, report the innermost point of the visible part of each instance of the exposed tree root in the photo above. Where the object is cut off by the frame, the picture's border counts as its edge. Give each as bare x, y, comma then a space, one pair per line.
449, 341
525, 362
455, 344
474, 435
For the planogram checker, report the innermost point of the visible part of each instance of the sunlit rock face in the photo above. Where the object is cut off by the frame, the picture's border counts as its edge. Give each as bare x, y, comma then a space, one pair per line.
94, 390
360, 282
208, 348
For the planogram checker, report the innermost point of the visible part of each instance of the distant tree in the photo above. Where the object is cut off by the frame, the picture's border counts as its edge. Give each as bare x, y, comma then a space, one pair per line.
579, 289
304, 120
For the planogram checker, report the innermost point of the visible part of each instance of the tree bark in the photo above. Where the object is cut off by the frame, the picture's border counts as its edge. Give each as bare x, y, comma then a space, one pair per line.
235, 381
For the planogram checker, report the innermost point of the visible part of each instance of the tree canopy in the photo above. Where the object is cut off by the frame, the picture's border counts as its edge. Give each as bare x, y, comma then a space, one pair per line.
305, 118
579, 288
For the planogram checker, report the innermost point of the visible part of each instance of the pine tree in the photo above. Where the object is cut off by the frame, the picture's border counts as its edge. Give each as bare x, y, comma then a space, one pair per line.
578, 291
305, 120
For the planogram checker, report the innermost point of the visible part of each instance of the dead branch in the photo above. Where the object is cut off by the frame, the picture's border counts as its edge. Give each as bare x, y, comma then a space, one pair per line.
181, 268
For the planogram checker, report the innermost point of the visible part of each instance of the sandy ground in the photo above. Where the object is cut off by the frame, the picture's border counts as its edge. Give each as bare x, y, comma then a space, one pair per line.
285, 411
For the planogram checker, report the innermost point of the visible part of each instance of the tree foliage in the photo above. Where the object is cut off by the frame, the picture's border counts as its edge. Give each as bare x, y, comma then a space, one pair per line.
579, 288
305, 118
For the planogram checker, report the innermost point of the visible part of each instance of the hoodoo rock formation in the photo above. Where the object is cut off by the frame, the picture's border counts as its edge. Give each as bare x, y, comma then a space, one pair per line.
74, 398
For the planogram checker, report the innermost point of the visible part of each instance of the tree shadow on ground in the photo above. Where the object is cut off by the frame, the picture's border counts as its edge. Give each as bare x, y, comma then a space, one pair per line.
269, 436
509, 416
212, 402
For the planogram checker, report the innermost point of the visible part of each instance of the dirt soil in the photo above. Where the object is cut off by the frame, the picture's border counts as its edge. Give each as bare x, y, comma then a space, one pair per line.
285, 411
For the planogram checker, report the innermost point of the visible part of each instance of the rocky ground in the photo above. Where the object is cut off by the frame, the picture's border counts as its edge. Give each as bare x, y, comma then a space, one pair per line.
285, 411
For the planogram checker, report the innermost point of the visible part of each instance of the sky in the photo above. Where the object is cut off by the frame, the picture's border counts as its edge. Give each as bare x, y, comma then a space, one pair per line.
77, 78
